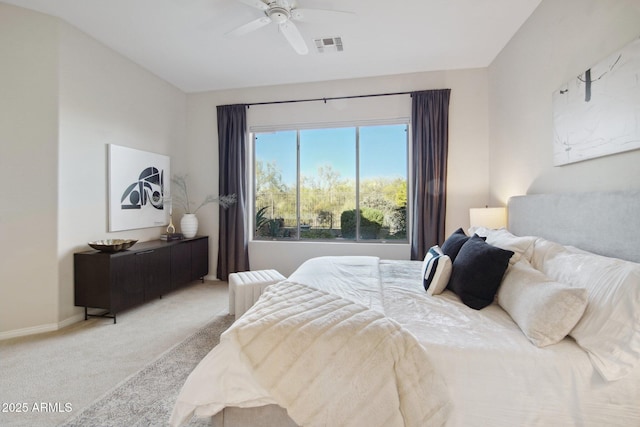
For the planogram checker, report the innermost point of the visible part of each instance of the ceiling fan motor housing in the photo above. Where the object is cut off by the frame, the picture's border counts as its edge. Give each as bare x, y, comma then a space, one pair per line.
278, 14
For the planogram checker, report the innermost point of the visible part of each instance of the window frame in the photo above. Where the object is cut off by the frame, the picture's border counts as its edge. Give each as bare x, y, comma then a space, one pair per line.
254, 130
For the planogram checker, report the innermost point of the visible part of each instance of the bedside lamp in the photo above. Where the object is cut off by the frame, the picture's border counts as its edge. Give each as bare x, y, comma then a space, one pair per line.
487, 217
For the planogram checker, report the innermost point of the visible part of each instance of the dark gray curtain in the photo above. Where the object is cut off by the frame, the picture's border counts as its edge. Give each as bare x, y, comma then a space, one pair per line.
430, 131
233, 248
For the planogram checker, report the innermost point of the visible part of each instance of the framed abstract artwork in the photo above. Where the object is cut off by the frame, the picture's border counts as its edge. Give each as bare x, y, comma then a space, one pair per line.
138, 181
598, 112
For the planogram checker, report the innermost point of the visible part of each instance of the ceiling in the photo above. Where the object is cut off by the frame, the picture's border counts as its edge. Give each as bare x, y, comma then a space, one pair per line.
185, 41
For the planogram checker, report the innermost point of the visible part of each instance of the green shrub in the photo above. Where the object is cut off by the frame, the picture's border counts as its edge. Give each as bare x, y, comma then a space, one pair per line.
370, 223
348, 224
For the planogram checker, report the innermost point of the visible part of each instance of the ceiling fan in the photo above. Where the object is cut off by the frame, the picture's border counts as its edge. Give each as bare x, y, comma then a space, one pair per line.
283, 13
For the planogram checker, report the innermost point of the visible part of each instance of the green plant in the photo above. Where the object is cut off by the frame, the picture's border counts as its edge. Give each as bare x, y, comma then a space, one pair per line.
398, 223
370, 223
261, 217
266, 226
348, 224
182, 198
273, 225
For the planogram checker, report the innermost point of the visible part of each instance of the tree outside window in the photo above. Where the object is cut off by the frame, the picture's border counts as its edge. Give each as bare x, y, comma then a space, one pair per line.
339, 184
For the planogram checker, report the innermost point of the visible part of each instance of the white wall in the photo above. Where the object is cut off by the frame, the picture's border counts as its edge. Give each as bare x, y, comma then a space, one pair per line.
104, 99
468, 142
64, 98
559, 41
28, 169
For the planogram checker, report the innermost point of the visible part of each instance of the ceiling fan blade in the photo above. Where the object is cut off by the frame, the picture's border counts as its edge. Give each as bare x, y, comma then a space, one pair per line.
250, 26
317, 14
255, 3
293, 36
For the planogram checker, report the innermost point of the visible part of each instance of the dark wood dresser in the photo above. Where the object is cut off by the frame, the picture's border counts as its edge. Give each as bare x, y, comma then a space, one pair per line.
148, 270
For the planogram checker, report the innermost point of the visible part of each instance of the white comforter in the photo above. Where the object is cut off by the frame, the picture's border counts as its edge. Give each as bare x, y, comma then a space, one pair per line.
326, 359
493, 374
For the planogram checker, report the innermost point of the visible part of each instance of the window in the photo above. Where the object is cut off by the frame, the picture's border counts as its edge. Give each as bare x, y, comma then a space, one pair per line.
339, 184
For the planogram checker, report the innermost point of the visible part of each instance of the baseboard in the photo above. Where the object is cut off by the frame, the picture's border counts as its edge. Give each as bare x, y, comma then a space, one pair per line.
40, 329
71, 320
51, 327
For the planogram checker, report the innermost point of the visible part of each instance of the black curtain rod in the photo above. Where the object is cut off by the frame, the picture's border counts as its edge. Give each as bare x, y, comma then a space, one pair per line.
328, 99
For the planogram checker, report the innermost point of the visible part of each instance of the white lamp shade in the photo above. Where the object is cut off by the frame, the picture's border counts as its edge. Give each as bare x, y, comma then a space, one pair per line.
492, 218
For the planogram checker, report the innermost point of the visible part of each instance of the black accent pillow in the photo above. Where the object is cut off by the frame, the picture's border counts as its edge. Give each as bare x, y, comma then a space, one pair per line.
477, 272
452, 245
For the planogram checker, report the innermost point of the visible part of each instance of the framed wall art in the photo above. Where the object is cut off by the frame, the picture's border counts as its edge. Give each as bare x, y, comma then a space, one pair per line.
598, 112
138, 181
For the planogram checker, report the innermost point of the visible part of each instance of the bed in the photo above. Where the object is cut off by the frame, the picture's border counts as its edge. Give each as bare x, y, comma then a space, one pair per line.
364, 341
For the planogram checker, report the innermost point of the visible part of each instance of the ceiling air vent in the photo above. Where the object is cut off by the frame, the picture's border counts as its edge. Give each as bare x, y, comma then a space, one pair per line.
329, 44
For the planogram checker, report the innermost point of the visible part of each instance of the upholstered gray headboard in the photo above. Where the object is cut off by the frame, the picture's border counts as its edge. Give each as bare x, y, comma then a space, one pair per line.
606, 223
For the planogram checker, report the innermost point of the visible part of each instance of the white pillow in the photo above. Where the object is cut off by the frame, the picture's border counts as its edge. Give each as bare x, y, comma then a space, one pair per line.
609, 330
522, 247
436, 270
545, 310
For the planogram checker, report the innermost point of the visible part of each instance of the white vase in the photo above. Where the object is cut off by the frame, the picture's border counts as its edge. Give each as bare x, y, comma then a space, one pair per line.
189, 225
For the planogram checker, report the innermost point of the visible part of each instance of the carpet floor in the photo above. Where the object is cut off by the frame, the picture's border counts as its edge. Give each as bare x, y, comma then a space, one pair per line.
49, 378
147, 397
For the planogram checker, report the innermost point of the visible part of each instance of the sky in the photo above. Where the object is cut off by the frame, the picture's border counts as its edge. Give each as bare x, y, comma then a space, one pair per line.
383, 151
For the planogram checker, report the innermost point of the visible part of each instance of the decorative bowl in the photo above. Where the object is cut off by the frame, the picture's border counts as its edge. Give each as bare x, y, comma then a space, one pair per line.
112, 245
